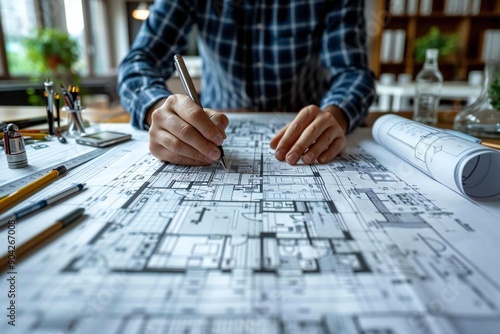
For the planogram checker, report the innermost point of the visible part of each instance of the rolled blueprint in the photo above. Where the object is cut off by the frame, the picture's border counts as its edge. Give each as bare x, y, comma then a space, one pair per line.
462, 165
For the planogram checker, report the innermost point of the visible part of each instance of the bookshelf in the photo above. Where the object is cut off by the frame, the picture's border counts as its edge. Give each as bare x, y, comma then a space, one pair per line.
475, 22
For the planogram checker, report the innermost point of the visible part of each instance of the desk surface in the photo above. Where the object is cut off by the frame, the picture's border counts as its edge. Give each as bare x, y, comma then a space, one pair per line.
119, 115
364, 244
94, 114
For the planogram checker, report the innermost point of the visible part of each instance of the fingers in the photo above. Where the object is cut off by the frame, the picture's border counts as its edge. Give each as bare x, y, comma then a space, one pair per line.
327, 147
275, 141
183, 133
169, 148
314, 135
195, 118
219, 119
292, 133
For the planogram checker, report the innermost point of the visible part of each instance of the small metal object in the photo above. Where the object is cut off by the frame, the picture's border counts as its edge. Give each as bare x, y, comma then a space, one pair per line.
14, 147
76, 126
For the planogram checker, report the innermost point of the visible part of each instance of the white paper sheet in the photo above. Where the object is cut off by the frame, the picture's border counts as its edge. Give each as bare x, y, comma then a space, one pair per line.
364, 244
464, 166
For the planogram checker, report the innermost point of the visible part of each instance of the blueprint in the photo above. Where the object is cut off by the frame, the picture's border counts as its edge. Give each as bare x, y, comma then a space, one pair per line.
364, 244
460, 164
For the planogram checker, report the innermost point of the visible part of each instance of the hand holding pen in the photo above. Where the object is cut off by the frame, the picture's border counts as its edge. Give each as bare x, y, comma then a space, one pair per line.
188, 85
184, 133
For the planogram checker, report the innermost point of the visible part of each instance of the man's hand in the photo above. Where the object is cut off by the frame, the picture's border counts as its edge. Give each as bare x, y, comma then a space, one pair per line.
314, 135
183, 133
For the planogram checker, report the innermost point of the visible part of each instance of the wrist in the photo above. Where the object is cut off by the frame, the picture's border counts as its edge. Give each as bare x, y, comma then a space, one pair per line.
339, 116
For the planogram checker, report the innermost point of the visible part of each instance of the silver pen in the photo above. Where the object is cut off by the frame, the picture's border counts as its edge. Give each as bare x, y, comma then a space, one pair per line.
188, 85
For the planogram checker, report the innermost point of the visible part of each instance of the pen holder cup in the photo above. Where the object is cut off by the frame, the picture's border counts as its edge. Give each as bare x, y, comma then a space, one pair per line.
76, 126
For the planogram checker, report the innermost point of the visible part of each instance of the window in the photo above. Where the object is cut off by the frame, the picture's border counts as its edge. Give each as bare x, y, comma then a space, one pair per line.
18, 22
84, 20
73, 12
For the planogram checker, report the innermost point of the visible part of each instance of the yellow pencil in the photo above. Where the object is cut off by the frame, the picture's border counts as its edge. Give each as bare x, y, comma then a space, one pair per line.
492, 145
35, 136
39, 238
20, 194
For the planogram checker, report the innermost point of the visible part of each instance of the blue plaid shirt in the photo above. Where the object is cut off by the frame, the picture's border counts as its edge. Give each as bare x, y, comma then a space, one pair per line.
263, 55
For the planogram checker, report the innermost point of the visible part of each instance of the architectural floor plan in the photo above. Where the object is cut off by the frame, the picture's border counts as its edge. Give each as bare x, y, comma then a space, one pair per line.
359, 245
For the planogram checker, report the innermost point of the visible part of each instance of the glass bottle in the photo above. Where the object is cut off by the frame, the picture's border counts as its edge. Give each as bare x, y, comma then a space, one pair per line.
480, 118
429, 82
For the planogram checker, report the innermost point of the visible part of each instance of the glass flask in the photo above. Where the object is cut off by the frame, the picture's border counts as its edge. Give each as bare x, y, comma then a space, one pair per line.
480, 118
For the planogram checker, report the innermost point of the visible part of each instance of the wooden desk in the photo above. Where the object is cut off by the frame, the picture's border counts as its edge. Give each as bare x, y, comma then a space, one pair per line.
94, 115
120, 115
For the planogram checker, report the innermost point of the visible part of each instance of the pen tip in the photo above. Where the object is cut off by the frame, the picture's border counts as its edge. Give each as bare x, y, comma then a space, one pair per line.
223, 162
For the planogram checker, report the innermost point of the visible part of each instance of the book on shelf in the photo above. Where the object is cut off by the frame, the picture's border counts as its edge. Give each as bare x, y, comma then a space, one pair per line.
392, 48
412, 7
475, 7
462, 7
385, 47
398, 50
425, 7
402, 7
491, 44
397, 7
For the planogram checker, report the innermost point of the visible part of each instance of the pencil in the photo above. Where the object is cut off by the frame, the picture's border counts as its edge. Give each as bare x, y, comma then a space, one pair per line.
491, 145
22, 193
60, 224
32, 135
29, 209
33, 131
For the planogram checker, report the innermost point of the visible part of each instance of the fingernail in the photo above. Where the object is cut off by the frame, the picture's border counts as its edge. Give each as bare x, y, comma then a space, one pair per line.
218, 140
292, 158
280, 155
214, 155
308, 158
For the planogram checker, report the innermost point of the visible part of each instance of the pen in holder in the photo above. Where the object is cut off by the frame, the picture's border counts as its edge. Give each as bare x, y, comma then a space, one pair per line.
74, 110
76, 125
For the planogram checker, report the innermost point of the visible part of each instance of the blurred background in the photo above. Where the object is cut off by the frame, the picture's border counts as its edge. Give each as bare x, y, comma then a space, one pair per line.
83, 41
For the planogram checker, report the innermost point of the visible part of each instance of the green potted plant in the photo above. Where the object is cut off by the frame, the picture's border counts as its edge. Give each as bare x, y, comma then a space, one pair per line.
52, 51
53, 54
494, 94
447, 44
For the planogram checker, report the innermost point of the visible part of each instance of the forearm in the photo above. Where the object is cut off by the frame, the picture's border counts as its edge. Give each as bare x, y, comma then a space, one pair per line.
353, 93
138, 95
147, 66
352, 84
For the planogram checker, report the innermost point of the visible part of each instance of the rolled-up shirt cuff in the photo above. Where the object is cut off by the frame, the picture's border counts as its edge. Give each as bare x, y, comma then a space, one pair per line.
141, 104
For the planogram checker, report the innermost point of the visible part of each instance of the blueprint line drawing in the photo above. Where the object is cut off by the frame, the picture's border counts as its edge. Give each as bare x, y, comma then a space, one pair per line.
264, 247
